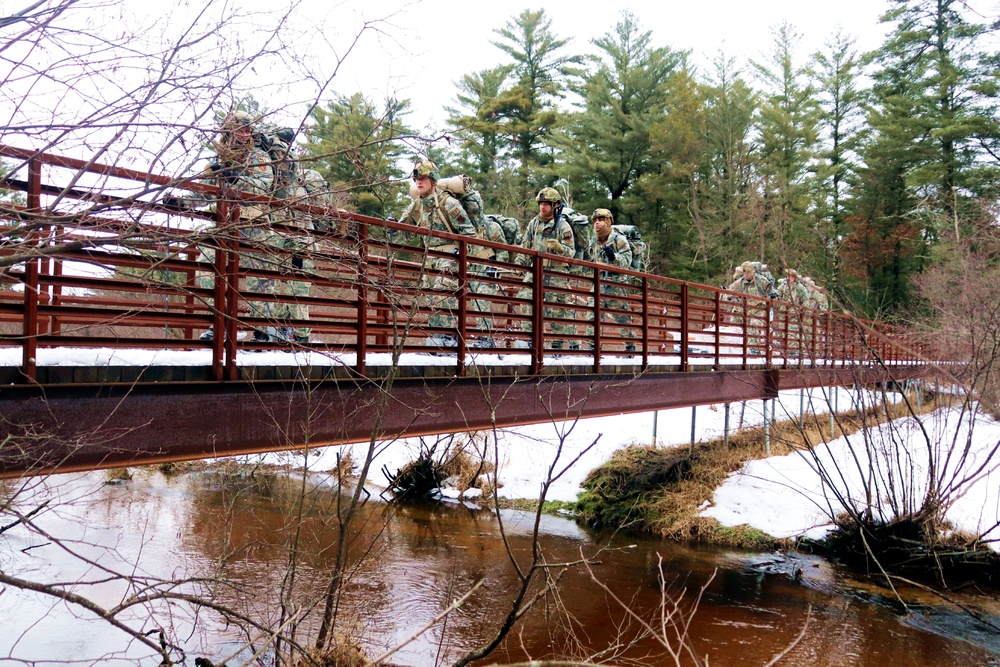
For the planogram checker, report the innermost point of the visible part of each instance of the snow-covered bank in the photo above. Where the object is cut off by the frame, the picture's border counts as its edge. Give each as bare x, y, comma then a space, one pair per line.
785, 496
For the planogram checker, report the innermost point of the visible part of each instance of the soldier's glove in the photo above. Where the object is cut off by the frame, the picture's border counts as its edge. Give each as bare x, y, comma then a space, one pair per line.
492, 272
230, 174
553, 245
609, 254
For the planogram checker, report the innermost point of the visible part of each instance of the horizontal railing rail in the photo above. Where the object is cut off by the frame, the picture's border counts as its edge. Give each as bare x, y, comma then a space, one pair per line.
126, 259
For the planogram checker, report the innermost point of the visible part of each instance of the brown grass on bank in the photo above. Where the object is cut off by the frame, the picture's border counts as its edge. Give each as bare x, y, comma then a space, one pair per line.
671, 509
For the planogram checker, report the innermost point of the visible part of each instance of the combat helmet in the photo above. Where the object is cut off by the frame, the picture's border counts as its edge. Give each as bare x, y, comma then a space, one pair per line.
237, 118
426, 168
550, 195
601, 213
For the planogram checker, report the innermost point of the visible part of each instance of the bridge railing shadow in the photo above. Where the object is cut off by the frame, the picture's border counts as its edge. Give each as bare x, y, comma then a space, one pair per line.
103, 257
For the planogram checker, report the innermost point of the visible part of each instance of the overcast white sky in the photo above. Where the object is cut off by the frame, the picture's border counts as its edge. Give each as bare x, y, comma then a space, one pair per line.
430, 44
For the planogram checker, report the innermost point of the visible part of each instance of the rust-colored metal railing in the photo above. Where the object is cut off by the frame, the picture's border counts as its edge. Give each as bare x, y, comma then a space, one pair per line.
113, 261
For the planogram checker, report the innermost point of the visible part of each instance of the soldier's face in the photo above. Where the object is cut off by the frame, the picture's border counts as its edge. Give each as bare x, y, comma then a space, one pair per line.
241, 135
748, 274
545, 210
425, 185
602, 226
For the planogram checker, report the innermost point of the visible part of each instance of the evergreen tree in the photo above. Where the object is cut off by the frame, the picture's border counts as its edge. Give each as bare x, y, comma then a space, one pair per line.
949, 113
932, 117
606, 145
526, 111
840, 124
357, 147
787, 126
725, 199
475, 120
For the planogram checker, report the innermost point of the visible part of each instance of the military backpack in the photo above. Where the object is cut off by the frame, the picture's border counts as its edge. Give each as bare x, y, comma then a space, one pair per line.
583, 232
640, 251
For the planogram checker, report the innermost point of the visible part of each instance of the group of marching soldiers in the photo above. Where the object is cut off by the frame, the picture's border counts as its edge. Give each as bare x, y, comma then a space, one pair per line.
246, 165
755, 278
277, 238
548, 232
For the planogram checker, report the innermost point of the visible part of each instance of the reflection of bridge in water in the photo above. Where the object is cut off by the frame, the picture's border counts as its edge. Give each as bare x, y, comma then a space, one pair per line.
105, 291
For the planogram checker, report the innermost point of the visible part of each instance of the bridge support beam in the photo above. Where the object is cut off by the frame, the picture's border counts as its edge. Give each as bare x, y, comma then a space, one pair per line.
65, 429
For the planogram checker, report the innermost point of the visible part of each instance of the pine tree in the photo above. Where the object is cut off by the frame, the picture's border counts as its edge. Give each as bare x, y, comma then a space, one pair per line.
357, 147
525, 111
606, 145
787, 126
840, 124
949, 113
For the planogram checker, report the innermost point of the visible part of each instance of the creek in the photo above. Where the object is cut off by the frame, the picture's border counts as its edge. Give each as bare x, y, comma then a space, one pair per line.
416, 558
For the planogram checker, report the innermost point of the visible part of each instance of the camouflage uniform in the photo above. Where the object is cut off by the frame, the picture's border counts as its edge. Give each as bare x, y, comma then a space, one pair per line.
537, 234
318, 194
440, 212
620, 251
297, 250
796, 294
254, 175
491, 231
757, 286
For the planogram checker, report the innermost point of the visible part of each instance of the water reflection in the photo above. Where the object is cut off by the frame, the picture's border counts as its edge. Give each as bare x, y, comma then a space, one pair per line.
410, 562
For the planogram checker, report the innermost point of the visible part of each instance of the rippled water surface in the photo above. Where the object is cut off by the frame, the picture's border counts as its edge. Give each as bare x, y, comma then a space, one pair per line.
413, 561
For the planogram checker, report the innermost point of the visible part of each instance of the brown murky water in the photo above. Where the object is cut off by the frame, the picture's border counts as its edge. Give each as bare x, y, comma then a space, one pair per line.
417, 559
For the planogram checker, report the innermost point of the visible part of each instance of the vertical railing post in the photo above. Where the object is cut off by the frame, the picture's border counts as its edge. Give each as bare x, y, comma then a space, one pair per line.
463, 305
646, 321
596, 314
768, 334
718, 330
685, 322
231, 283
537, 314
219, 292
746, 331
190, 284
29, 323
361, 342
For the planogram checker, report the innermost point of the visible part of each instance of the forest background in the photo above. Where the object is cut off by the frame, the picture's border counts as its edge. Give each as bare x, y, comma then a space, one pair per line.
861, 169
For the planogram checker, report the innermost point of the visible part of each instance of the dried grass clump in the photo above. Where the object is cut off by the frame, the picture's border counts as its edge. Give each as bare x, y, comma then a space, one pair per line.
466, 470
342, 652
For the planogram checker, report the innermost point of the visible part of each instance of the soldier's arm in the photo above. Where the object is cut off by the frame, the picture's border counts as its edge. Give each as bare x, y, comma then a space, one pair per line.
495, 233
623, 253
529, 233
409, 216
565, 235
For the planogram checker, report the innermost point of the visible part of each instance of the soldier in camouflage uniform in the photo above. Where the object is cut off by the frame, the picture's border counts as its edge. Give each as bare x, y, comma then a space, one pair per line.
791, 289
491, 231
817, 295
549, 233
244, 167
756, 286
438, 211
297, 248
611, 248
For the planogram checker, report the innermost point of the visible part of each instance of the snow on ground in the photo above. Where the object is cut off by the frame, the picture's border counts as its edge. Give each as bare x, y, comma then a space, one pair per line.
785, 496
